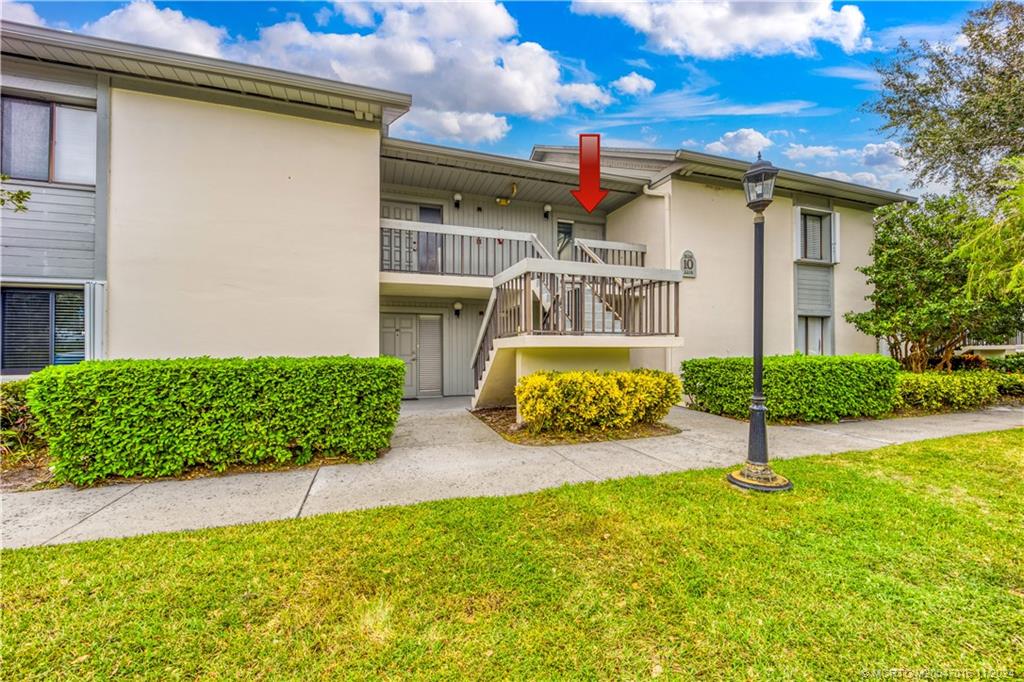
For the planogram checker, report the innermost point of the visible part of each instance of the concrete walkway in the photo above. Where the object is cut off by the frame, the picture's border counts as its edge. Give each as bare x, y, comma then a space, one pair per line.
440, 451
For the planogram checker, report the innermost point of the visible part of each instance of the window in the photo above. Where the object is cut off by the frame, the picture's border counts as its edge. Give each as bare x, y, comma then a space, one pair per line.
813, 335
564, 236
41, 327
815, 237
48, 142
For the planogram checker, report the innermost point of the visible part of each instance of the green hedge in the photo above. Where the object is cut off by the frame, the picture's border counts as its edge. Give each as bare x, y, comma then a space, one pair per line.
159, 417
584, 401
950, 391
797, 387
1010, 384
1014, 362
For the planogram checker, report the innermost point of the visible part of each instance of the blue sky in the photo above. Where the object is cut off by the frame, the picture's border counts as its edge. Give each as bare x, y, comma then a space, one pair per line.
727, 78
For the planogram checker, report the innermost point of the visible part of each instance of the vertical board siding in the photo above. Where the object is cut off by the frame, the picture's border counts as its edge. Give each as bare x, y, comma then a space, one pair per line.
458, 335
519, 216
814, 290
56, 237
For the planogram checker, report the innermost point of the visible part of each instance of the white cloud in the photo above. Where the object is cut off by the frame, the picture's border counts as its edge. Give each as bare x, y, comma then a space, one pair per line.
743, 143
633, 84
453, 125
141, 22
799, 152
356, 13
689, 103
860, 178
866, 77
885, 155
463, 63
322, 16
21, 13
947, 33
638, 63
721, 29
585, 94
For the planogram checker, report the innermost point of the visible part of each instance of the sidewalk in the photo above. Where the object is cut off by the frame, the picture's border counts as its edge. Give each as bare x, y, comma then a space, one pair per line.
441, 451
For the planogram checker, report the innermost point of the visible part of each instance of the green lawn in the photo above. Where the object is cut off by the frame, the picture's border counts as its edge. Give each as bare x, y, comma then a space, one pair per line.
904, 557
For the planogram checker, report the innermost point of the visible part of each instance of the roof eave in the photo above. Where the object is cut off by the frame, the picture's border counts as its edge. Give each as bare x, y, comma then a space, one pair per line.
787, 179
394, 102
621, 182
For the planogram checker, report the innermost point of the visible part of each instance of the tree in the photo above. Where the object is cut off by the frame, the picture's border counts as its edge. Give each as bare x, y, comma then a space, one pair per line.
995, 251
957, 110
16, 200
921, 305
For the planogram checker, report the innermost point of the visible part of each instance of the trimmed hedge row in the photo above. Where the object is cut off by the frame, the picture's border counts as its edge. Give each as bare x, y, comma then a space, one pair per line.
159, 417
796, 387
583, 401
1014, 362
956, 390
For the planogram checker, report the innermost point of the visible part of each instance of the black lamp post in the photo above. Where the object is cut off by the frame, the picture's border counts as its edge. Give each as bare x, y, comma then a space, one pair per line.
757, 474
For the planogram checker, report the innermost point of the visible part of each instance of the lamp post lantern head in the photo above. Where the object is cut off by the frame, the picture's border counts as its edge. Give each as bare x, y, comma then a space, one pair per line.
759, 184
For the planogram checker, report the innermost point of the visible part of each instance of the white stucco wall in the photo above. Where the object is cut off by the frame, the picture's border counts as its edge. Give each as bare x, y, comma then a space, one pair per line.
716, 308
856, 232
239, 232
645, 220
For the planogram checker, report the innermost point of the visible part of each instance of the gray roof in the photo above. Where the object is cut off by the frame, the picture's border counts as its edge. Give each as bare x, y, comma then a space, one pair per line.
404, 162
153, 64
659, 164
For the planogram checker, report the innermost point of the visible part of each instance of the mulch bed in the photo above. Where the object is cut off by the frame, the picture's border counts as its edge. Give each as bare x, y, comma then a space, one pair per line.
503, 421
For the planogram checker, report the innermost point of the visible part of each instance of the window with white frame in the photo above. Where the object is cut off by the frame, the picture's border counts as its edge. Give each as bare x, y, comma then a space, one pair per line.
47, 141
40, 327
815, 236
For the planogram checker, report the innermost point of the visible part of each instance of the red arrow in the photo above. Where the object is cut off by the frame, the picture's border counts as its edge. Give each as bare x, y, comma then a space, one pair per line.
590, 193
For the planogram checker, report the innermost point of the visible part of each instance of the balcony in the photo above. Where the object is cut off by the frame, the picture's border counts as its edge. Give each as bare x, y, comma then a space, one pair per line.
544, 303
429, 249
610, 253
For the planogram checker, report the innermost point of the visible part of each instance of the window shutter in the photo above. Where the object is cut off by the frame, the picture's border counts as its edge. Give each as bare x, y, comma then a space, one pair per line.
797, 229
95, 320
26, 330
835, 237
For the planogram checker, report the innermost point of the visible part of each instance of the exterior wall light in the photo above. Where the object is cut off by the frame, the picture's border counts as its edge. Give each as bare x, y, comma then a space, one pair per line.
457, 307
547, 211
457, 199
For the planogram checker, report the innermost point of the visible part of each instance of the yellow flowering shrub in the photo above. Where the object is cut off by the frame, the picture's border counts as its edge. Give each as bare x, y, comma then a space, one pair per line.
584, 401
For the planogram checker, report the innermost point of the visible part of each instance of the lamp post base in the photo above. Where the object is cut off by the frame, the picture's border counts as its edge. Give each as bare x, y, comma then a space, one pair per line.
759, 477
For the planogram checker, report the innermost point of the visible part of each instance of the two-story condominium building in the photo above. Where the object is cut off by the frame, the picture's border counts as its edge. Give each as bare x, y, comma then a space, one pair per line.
188, 206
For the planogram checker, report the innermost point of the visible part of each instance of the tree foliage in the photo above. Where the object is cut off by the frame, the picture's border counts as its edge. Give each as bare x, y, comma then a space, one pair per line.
921, 304
995, 251
14, 199
957, 109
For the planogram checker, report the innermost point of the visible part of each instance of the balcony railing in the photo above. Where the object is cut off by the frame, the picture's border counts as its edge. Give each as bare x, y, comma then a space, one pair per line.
1015, 340
610, 253
547, 297
407, 246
